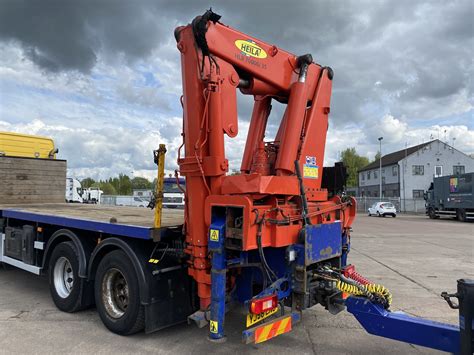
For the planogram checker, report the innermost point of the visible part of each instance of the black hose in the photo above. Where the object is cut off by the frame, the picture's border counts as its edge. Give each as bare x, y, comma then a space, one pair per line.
269, 272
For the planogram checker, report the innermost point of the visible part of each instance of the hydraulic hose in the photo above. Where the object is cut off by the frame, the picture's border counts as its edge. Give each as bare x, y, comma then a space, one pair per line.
374, 292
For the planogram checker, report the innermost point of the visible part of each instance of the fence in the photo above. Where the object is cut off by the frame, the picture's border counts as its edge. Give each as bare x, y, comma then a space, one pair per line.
402, 205
117, 200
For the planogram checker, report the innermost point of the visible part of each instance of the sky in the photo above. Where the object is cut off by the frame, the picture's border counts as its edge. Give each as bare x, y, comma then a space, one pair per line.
103, 79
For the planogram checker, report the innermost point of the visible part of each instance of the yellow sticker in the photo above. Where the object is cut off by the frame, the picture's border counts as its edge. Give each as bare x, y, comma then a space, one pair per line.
214, 235
310, 171
250, 48
255, 318
213, 326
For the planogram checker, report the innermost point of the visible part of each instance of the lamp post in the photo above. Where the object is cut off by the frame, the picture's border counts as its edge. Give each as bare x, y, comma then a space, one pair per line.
380, 166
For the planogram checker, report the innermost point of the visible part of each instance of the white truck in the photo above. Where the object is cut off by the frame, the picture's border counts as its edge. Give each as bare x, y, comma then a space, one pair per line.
92, 195
173, 195
74, 191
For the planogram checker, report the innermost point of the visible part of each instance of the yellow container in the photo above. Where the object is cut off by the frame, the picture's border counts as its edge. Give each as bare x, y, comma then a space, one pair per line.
27, 146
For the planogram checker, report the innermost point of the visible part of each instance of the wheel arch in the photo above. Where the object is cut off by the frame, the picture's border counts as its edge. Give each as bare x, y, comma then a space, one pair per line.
66, 235
114, 243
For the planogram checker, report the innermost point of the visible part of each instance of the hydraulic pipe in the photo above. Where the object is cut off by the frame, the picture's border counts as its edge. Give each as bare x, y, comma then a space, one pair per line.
258, 124
291, 136
216, 134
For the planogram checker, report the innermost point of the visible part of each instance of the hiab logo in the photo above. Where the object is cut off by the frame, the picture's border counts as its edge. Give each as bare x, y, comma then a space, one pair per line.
250, 48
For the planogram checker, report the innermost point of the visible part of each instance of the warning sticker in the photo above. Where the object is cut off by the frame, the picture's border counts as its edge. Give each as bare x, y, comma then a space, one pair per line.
310, 171
213, 325
214, 235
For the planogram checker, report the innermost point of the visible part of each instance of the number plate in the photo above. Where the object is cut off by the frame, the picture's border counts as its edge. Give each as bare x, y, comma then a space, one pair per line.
255, 318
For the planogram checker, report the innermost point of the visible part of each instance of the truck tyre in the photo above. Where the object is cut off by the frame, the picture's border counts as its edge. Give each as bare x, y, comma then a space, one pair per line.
65, 285
461, 215
431, 213
117, 294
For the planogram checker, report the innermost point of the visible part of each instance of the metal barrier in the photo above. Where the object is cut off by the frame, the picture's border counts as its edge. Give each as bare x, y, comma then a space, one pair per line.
402, 205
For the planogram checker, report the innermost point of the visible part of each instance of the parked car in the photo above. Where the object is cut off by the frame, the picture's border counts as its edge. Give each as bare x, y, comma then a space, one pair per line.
382, 209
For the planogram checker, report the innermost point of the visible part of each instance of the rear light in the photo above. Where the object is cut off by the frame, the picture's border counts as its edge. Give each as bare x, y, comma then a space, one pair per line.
263, 304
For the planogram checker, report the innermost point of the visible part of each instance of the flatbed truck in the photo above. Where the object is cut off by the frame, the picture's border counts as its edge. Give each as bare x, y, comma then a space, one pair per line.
72, 244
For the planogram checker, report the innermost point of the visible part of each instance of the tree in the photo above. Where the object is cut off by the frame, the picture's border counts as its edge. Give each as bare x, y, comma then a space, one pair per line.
122, 184
87, 182
353, 162
141, 183
108, 188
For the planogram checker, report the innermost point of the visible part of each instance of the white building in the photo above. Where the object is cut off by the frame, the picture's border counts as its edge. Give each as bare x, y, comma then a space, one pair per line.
408, 173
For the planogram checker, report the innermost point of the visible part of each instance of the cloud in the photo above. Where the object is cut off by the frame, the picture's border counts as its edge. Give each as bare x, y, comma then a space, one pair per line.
390, 128
104, 78
104, 152
70, 35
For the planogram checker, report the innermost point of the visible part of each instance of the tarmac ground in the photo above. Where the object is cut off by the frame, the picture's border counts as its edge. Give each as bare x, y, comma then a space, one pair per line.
415, 257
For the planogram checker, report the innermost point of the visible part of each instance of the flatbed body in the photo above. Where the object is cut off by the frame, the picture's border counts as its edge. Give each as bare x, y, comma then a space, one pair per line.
132, 222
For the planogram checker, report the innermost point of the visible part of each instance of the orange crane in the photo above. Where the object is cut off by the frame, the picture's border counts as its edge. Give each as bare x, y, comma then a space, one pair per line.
278, 191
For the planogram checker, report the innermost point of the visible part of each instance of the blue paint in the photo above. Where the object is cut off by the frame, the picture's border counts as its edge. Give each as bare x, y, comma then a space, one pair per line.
281, 287
83, 224
276, 260
244, 281
322, 242
250, 276
400, 326
218, 277
300, 254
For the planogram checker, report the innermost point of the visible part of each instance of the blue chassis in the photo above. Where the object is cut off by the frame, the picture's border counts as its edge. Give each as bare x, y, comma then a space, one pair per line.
130, 231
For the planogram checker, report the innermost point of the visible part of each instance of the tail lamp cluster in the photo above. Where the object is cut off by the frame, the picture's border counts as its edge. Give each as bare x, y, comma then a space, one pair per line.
263, 304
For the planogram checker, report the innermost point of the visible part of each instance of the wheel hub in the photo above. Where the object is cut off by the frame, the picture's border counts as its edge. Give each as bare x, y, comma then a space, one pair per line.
63, 277
115, 295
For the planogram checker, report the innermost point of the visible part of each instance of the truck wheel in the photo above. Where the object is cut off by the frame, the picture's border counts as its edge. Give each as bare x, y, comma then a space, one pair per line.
117, 294
431, 213
461, 215
65, 285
